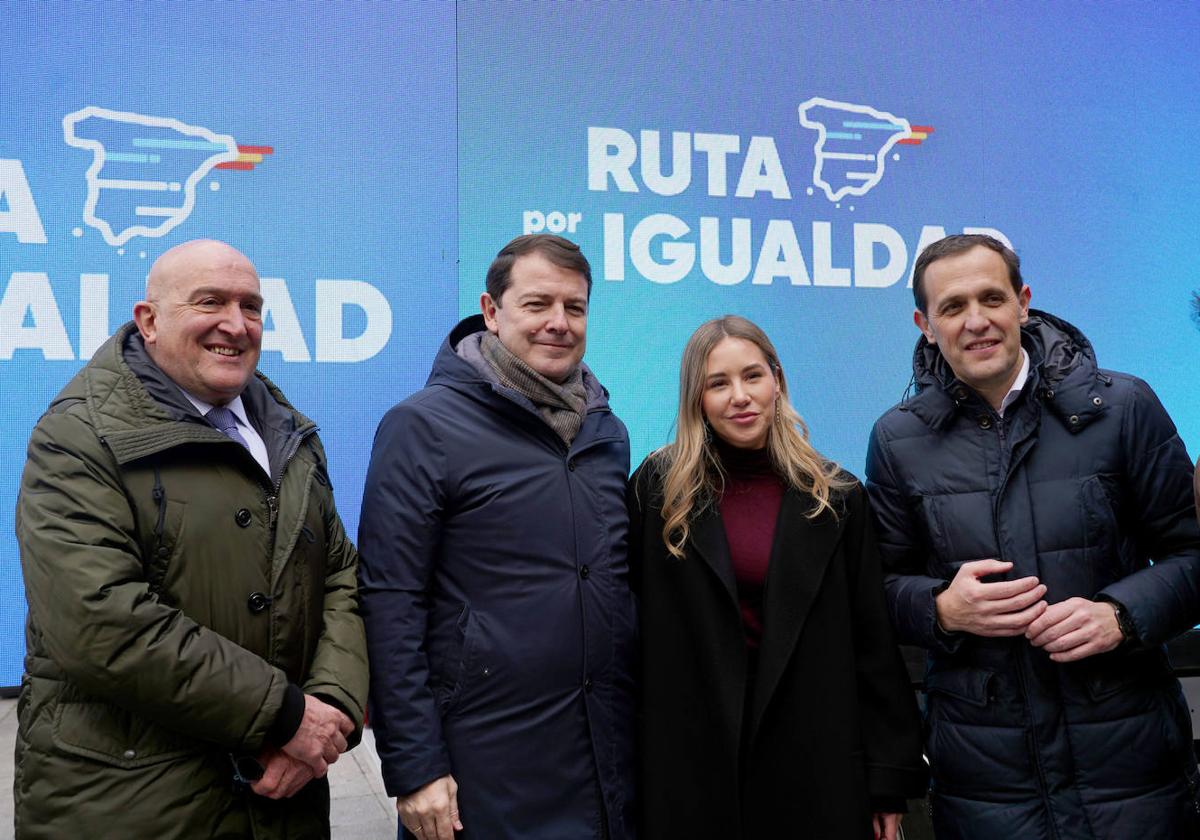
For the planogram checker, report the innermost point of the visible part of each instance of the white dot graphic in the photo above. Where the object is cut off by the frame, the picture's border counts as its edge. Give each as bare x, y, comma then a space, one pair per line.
121, 251
895, 156
809, 191
214, 185
77, 232
142, 254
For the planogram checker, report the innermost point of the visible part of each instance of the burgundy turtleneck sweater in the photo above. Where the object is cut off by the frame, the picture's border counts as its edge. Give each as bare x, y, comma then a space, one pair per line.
749, 509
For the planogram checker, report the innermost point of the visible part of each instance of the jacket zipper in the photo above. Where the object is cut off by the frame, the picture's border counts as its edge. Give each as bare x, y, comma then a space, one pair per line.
1020, 665
273, 493
273, 515
1036, 754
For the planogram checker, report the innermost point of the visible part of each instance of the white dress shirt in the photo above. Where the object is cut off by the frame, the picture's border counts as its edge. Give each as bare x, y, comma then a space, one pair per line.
1017, 385
253, 439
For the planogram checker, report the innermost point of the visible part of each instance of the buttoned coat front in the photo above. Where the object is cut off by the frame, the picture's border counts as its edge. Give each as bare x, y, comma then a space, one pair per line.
831, 721
496, 599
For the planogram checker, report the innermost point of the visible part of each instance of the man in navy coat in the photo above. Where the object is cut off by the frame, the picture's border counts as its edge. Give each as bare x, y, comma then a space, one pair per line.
493, 577
1036, 523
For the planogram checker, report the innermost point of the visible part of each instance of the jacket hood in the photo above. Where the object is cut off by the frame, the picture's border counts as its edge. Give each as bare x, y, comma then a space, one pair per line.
137, 409
1062, 366
1054, 345
461, 366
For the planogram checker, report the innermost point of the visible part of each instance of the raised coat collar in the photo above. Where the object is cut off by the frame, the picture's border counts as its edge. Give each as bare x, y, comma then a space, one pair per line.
138, 411
1062, 373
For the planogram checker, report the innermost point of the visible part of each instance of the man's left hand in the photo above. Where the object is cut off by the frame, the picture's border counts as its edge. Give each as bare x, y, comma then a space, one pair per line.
282, 776
1075, 629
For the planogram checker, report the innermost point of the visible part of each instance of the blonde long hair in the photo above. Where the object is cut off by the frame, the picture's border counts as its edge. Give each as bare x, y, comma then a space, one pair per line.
693, 477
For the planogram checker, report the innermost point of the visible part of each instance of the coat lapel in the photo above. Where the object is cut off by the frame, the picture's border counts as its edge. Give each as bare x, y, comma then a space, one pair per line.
799, 557
708, 539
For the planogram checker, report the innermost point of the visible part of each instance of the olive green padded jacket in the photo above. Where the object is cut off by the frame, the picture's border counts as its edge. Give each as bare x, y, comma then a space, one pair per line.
174, 592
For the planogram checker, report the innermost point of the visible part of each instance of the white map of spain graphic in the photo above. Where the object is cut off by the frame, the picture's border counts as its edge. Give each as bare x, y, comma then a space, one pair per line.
144, 170
852, 144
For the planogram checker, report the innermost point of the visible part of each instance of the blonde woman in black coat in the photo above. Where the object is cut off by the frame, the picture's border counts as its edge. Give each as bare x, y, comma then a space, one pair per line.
774, 700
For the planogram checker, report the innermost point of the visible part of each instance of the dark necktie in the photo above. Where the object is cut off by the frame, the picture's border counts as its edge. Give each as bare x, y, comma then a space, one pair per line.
223, 419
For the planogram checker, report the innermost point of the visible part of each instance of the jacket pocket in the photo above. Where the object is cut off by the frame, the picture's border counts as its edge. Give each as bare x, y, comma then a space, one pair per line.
162, 543
971, 685
1102, 554
451, 648
1135, 673
953, 544
113, 736
962, 724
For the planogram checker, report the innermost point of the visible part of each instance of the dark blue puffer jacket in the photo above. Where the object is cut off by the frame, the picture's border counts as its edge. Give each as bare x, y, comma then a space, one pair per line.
1083, 483
494, 584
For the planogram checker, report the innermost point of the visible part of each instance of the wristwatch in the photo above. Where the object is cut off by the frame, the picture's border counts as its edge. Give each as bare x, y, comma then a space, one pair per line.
1124, 622
246, 769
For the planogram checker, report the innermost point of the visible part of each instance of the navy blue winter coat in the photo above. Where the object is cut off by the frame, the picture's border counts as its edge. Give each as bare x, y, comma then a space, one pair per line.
495, 591
1083, 483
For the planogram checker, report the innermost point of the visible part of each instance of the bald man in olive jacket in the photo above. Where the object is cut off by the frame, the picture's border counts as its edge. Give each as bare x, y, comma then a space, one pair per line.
195, 657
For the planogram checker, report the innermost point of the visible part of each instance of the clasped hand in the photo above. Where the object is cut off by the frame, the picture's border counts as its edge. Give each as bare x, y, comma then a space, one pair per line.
1069, 630
1005, 608
318, 742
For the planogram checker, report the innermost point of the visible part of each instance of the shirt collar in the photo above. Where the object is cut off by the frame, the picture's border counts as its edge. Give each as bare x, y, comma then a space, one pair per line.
234, 405
1017, 385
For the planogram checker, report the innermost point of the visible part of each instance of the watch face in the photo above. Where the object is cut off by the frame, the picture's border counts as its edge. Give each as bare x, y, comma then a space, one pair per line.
247, 768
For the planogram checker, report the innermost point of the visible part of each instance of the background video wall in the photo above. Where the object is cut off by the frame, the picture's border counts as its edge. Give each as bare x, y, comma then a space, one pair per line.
781, 161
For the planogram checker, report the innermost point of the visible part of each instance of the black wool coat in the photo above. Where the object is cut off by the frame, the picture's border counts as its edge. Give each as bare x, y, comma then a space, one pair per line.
830, 720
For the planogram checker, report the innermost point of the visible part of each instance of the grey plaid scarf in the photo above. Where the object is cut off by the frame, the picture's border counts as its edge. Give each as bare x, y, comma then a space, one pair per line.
562, 406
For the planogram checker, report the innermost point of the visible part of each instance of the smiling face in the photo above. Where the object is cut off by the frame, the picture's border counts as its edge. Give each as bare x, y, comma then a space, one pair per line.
974, 318
542, 316
740, 390
202, 319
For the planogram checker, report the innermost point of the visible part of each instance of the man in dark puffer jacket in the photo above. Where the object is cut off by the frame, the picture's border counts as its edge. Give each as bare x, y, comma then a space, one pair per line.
1022, 497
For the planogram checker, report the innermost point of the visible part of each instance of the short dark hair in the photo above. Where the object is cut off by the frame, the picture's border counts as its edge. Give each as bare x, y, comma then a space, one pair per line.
562, 252
960, 243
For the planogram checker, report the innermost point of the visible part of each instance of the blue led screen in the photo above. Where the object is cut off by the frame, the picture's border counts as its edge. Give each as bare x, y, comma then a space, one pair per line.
781, 161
